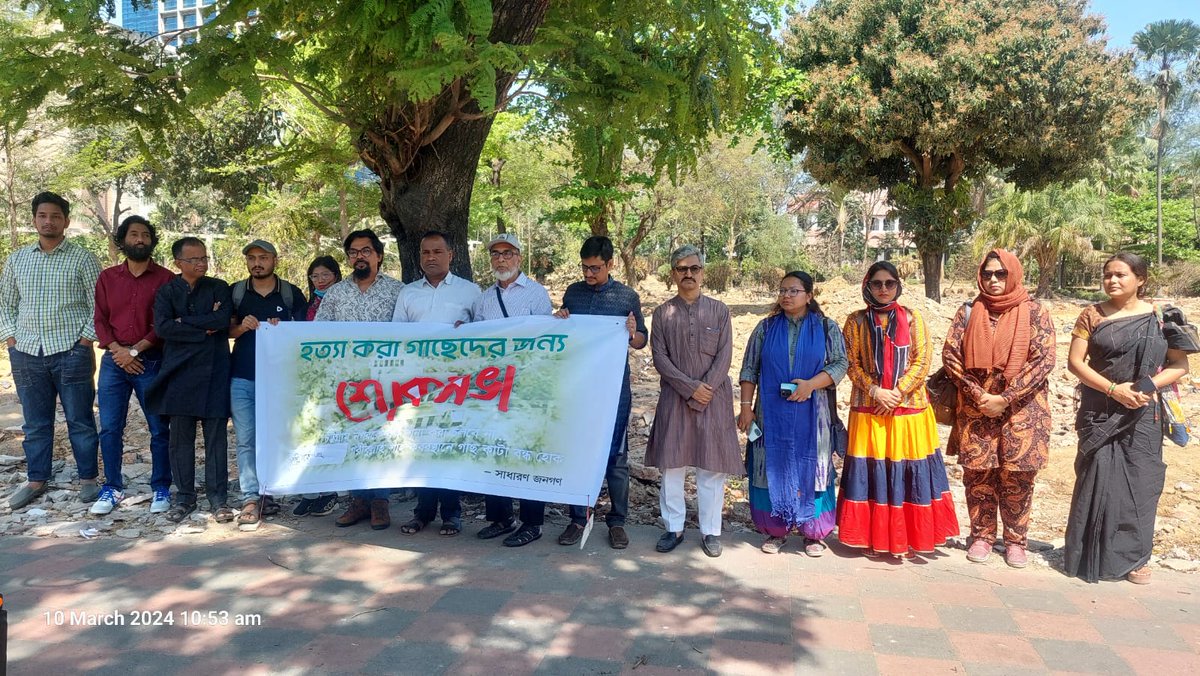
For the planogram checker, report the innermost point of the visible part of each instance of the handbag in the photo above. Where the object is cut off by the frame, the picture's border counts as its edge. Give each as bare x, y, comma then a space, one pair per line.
1175, 424
943, 391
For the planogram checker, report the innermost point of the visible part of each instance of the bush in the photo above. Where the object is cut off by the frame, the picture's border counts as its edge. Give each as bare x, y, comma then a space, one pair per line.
717, 276
1180, 278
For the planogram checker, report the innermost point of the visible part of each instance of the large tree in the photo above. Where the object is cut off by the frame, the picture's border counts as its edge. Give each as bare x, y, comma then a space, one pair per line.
416, 82
922, 96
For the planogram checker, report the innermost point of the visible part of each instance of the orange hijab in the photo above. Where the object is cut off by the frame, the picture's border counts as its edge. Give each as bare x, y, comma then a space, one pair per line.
1006, 347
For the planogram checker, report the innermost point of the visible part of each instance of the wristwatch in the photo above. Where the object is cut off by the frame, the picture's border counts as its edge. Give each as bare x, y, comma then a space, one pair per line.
133, 352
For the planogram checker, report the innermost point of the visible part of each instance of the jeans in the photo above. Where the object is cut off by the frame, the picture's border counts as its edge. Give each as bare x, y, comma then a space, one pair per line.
41, 379
216, 459
241, 401
616, 473
113, 399
428, 500
370, 494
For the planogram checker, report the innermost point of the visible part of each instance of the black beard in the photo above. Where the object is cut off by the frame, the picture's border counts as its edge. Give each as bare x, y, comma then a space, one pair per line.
138, 252
362, 273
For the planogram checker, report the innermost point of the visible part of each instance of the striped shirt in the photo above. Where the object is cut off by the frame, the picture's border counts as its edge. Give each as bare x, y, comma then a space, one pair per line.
522, 298
47, 299
345, 302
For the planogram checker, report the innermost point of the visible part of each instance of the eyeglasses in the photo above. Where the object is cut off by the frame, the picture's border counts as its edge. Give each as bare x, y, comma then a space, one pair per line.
794, 291
321, 276
593, 269
506, 254
360, 253
688, 269
999, 275
877, 284
195, 260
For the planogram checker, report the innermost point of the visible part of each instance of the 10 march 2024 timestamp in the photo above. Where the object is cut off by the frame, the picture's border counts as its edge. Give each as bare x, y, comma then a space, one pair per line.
151, 618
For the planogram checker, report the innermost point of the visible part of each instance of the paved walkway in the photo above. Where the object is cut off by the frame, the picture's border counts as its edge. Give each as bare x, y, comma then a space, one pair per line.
314, 599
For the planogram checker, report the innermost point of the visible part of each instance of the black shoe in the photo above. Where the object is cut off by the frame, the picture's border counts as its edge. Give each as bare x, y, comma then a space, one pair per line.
711, 544
668, 541
496, 529
523, 536
304, 508
323, 505
572, 535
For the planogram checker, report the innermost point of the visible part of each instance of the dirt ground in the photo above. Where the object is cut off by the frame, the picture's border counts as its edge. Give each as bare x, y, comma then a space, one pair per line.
1177, 536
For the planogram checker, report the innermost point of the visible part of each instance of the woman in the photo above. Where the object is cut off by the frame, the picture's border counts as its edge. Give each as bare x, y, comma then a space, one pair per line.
323, 273
1121, 351
895, 497
1000, 354
790, 464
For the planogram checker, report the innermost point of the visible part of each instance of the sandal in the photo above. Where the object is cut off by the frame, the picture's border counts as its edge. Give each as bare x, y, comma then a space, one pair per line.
814, 548
1139, 576
523, 536
871, 553
413, 527
248, 519
773, 545
269, 506
178, 513
450, 529
224, 514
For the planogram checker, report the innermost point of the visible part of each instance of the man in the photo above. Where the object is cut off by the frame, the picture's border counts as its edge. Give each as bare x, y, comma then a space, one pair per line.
47, 293
444, 298
264, 297
367, 295
124, 319
191, 315
513, 295
694, 426
600, 294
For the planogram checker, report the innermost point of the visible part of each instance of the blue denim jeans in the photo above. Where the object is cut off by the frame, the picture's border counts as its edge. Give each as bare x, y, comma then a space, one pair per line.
616, 473
66, 376
113, 399
241, 403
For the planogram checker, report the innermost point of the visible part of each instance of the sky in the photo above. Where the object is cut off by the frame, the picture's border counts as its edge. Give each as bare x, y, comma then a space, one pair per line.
1126, 17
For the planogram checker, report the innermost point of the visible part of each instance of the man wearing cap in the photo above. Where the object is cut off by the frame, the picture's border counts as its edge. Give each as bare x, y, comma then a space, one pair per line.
513, 295
263, 297
441, 297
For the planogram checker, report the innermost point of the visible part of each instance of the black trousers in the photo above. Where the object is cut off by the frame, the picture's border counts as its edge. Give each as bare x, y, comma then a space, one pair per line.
428, 501
533, 512
216, 459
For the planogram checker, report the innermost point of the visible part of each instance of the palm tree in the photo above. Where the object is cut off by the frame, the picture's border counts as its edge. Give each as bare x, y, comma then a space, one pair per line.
1045, 225
1169, 42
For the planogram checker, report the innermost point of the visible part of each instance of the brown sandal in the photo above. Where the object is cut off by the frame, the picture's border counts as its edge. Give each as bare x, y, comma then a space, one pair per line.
248, 519
1139, 576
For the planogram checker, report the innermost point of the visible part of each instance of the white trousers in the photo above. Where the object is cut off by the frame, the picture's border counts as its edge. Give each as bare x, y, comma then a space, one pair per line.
710, 494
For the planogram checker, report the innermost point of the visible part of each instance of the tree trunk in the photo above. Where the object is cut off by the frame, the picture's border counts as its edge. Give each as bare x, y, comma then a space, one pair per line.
426, 184
931, 267
1046, 271
1158, 192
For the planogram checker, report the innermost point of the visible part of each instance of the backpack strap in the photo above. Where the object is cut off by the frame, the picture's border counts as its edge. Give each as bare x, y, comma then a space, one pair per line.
286, 291
238, 292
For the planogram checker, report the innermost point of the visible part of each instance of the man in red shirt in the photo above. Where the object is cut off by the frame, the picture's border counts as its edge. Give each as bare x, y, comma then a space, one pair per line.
125, 327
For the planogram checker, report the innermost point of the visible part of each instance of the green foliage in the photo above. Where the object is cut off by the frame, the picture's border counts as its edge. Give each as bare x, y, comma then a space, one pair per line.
1137, 217
917, 95
717, 276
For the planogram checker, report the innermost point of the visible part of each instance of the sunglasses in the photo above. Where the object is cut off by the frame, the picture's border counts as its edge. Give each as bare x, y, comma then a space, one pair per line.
877, 284
999, 275
685, 269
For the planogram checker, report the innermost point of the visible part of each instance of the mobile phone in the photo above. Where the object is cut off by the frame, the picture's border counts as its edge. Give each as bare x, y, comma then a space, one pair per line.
787, 389
1145, 385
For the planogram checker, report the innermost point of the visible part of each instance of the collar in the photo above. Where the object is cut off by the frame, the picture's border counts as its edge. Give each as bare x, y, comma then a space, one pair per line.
521, 280
60, 247
123, 268
278, 286
449, 280
602, 287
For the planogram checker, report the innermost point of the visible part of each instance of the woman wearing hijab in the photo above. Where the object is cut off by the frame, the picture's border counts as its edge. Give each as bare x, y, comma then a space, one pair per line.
1000, 353
895, 498
789, 459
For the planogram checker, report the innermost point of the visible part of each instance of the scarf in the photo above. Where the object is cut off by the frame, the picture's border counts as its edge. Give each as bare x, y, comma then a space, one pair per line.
1007, 346
319, 293
790, 427
890, 344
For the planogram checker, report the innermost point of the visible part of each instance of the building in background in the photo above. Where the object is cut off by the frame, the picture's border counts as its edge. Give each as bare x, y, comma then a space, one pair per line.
168, 19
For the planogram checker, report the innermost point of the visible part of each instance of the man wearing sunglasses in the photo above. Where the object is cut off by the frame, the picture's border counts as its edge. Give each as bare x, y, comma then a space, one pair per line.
367, 295
600, 294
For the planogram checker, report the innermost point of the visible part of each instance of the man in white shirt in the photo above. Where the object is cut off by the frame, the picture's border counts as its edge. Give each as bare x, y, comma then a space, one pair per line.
440, 297
513, 295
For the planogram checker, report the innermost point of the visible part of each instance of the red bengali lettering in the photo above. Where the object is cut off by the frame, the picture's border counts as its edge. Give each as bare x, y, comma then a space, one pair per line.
489, 385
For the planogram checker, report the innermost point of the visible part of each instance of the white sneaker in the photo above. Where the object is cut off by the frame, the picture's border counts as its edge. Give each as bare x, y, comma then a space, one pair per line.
161, 503
107, 501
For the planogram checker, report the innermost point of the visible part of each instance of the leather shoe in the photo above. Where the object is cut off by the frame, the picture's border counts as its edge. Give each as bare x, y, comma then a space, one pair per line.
357, 511
572, 535
380, 517
711, 544
617, 537
668, 541
26, 494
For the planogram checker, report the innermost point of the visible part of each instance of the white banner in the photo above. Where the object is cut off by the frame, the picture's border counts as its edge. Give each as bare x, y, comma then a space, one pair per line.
522, 407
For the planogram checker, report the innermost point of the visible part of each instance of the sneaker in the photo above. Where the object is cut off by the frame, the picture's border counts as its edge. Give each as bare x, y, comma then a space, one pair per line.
1015, 557
107, 500
979, 551
161, 502
323, 504
304, 508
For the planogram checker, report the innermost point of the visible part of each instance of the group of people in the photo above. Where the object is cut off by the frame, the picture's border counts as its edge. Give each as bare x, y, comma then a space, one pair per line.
166, 340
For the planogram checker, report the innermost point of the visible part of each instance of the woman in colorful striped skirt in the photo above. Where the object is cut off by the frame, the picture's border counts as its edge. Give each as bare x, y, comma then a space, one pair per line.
895, 498
794, 358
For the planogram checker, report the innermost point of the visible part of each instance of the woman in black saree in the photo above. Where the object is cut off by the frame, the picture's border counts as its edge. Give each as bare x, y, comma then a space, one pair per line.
1122, 350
